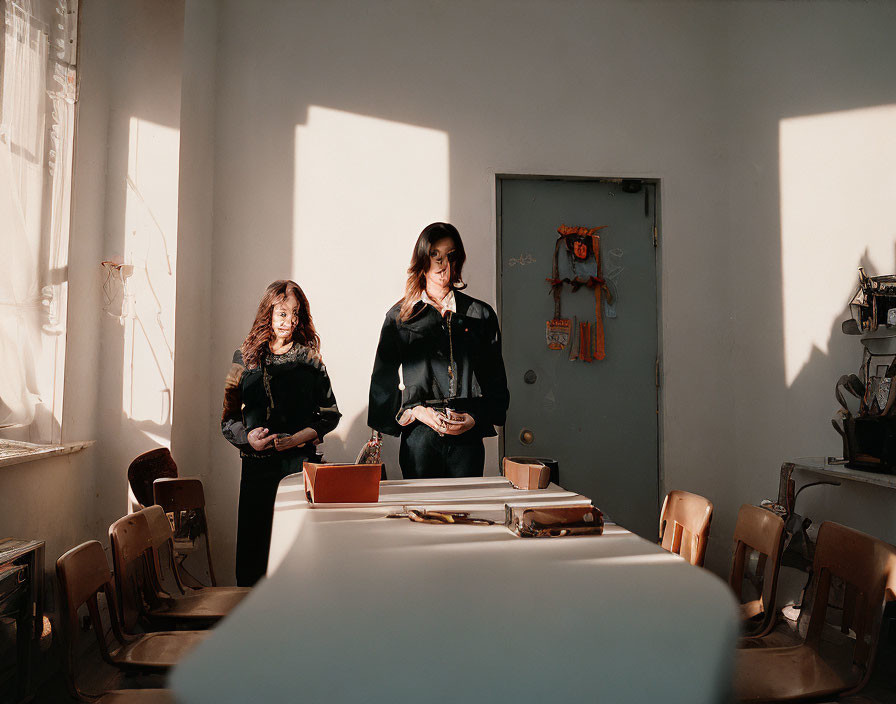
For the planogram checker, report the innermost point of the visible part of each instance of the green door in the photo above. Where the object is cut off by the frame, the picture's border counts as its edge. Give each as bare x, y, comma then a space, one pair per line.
598, 419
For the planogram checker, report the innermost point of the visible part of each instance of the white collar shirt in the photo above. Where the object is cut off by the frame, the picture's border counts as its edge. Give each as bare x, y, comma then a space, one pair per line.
448, 303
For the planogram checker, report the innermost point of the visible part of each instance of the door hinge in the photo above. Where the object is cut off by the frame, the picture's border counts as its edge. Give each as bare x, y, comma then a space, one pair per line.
654, 235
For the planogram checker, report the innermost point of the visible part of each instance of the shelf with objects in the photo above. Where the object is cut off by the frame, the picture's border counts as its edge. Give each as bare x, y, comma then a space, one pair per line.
866, 419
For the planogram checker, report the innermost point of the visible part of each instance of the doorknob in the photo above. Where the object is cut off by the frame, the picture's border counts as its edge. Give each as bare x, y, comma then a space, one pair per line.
530, 377
526, 436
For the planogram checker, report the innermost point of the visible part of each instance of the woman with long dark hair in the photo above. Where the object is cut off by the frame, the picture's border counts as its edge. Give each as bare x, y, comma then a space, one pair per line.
278, 405
452, 389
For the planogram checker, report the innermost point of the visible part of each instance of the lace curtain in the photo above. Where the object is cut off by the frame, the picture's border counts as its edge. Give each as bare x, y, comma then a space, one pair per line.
37, 110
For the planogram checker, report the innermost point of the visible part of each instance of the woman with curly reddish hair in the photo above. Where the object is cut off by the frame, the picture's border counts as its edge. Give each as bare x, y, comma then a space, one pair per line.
278, 405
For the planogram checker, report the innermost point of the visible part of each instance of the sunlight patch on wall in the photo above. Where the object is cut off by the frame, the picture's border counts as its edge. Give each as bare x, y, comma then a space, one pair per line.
151, 248
838, 177
364, 188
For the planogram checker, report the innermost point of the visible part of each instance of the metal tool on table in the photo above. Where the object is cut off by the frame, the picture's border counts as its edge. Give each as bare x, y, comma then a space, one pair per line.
441, 517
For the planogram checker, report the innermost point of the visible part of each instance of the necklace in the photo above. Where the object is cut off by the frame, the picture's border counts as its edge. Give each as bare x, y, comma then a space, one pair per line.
452, 367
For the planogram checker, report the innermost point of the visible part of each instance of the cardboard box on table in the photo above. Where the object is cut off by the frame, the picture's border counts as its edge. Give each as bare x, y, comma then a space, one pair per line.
342, 483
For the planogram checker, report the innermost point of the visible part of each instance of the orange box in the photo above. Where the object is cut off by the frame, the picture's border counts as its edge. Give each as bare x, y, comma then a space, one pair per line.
342, 483
527, 476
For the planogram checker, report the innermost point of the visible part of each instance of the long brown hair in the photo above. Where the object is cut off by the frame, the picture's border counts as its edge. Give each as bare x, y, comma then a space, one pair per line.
420, 263
262, 332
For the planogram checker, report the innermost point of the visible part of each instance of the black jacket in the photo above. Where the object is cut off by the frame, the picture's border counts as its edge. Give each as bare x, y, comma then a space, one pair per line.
423, 347
285, 393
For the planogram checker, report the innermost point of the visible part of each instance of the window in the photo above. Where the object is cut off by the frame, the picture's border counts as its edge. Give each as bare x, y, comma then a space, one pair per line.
37, 118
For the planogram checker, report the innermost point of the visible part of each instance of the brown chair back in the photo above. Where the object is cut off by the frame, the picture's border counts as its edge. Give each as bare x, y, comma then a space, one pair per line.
145, 469
162, 542
83, 573
184, 498
867, 566
684, 525
761, 531
131, 557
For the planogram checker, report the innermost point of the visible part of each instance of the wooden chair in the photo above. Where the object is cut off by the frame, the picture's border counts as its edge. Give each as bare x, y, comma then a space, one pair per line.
205, 602
184, 498
141, 601
684, 525
144, 470
761, 531
867, 566
83, 573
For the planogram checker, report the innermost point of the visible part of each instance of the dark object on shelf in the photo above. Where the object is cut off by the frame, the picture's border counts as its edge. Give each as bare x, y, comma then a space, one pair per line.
871, 306
21, 603
866, 419
870, 444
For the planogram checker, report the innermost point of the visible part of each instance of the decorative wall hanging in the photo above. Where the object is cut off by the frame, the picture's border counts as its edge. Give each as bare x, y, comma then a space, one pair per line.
581, 246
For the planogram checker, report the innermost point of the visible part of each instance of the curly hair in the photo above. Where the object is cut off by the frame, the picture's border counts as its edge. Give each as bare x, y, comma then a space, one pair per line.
420, 263
262, 333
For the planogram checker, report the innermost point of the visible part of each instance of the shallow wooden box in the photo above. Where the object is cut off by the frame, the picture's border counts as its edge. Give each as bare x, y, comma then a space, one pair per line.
342, 483
527, 476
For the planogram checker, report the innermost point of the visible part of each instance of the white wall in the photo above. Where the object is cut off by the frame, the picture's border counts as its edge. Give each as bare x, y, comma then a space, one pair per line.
692, 93
143, 79
193, 415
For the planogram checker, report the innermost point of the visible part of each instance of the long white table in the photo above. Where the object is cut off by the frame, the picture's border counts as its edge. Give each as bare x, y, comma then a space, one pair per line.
362, 608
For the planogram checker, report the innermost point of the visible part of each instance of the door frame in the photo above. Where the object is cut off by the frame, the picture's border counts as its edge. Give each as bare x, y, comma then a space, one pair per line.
656, 182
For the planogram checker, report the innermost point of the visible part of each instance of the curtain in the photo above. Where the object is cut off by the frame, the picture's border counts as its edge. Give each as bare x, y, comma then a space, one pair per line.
36, 143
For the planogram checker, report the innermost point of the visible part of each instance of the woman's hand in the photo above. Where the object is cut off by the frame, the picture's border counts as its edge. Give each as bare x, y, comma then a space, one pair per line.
303, 437
429, 416
458, 424
260, 439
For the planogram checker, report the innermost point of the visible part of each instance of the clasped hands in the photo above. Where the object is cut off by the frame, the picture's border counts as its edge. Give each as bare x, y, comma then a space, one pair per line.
458, 424
261, 439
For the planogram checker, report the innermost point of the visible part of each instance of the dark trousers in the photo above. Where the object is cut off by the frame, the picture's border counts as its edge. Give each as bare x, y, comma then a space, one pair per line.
425, 454
258, 489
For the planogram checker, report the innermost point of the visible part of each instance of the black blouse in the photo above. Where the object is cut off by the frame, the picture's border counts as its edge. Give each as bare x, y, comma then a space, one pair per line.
284, 394
424, 346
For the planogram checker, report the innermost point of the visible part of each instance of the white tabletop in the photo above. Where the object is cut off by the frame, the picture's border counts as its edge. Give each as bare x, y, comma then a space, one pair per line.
361, 608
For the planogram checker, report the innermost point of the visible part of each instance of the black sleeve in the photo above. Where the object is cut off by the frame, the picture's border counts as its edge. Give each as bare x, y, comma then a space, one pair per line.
385, 396
232, 426
491, 375
326, 405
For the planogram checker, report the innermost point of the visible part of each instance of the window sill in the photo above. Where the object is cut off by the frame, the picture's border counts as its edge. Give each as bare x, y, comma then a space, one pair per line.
16, 452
